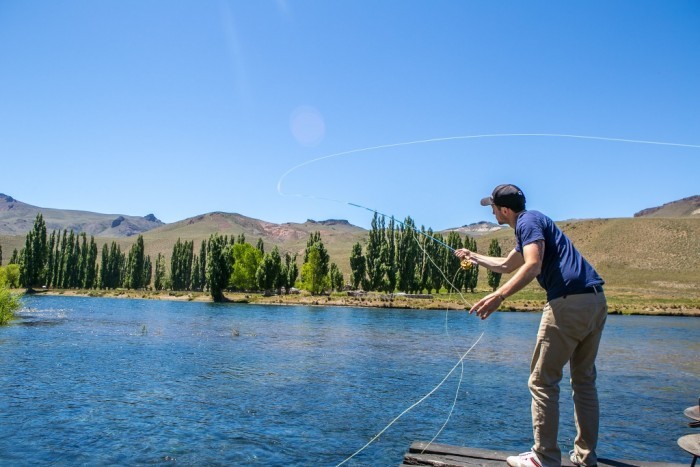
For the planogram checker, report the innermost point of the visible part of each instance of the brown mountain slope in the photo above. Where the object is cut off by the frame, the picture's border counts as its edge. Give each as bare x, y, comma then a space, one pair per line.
686, 207
638, 253
338, 235
17, 218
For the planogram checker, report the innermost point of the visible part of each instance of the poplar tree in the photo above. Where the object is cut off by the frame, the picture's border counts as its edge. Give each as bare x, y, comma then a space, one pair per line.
147, 272
390, 266
75, 262
176, 266
313, 276
281, 279
82, 260
49, 259
58, 258
68, 265
290, 272
203, 265
181, 265
196, 274
218, 267
40, 249
135, 274
188, 258
425, 260
407, 256
452, 266
474, 271
25, 263
58, 261
373, 254
358, 266
35, 253
494, 278
314, 271
269, 271
335, 278
436, 252
159, 277
55, 256
103, 270
112, 269
383, 284
91, 266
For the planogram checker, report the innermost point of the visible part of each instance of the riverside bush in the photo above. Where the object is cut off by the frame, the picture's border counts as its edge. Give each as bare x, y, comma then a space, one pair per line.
9, 304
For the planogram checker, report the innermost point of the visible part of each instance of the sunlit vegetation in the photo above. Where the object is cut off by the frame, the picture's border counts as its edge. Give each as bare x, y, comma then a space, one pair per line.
9, 304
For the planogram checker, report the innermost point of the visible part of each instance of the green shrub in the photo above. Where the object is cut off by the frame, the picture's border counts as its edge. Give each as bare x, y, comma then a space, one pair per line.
9, 276
9, 304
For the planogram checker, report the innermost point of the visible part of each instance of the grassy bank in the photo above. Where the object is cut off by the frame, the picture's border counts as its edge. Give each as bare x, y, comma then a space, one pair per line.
620, 300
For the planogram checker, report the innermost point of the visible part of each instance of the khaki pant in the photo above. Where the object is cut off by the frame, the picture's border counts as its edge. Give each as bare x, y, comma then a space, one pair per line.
570, 330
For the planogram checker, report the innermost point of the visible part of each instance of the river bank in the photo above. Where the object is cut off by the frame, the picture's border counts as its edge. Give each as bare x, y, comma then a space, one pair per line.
620, 302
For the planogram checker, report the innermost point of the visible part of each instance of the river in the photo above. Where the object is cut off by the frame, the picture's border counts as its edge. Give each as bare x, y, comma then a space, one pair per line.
122, 381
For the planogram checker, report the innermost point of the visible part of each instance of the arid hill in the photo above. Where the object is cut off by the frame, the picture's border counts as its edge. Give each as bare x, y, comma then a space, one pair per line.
338, 235
686, 207
17, 218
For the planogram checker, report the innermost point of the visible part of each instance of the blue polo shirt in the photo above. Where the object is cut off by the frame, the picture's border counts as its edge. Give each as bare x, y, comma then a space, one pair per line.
564, 270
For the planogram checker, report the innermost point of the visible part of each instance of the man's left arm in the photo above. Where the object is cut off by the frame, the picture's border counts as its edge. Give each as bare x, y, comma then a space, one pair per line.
533, 254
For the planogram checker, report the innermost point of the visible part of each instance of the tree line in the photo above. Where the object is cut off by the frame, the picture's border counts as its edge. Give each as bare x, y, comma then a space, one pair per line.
395, 258
409, 260
69, 260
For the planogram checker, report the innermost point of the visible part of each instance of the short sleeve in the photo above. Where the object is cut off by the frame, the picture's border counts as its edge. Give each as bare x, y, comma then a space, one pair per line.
528, 230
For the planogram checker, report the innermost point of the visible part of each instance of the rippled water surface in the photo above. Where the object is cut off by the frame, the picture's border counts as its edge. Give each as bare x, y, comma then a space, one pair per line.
117, 381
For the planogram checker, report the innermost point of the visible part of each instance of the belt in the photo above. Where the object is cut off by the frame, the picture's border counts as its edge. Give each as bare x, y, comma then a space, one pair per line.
591, 289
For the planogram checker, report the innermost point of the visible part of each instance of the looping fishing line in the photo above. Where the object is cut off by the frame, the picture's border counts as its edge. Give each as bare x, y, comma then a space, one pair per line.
461, 356
466, 137
460, 361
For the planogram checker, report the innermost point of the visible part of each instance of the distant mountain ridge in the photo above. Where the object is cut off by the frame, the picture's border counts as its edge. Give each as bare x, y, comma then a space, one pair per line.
477, 229
686, 207
17, 218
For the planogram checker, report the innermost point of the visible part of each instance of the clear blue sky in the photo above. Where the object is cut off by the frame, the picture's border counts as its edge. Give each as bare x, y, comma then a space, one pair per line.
179, 108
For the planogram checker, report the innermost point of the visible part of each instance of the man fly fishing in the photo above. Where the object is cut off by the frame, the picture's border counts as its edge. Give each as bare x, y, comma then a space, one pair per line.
570, 328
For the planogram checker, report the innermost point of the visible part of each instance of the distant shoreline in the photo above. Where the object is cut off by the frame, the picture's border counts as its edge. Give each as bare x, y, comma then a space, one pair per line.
373, 300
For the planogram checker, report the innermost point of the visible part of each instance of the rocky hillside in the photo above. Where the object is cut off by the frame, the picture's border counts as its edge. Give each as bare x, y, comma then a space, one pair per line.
686, 207
477, 229
17, 218
338, 235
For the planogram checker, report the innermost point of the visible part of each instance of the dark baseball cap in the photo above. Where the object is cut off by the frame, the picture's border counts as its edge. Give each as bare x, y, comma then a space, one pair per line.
508, 196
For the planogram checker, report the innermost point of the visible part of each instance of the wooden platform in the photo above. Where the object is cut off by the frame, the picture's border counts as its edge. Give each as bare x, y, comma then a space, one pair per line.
443, 455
